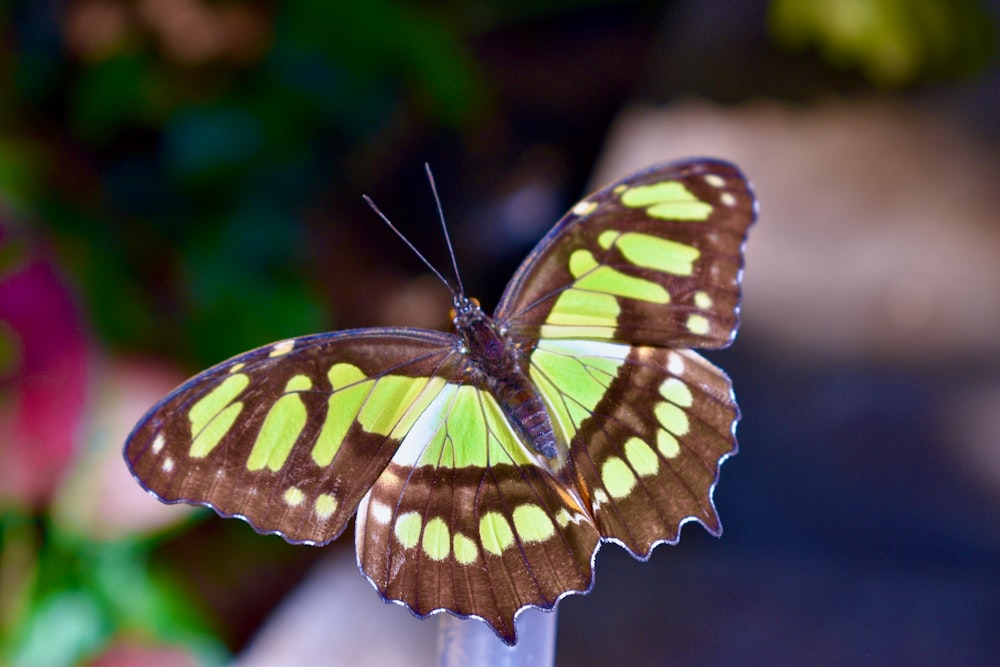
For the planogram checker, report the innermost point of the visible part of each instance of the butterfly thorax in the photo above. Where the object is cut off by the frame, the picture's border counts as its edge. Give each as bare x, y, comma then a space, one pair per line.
498, 365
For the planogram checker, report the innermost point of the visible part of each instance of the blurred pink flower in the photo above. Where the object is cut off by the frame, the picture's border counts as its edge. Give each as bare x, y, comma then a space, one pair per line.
98, 496
128, 654
43, 387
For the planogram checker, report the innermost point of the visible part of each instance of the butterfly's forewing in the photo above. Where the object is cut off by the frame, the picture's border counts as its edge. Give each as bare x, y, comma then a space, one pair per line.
608, 301
463, 519
291, 436
653, 259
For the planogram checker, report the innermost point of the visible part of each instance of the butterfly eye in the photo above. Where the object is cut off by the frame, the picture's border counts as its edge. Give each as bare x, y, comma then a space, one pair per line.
452, 314
475, 302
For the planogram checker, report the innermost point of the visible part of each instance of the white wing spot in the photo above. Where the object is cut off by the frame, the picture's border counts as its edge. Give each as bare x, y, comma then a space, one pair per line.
158, 442
564, 517
584, 208
715, 180
600, 498
284, 347
727, 199
168, 464
675, 364
380, 512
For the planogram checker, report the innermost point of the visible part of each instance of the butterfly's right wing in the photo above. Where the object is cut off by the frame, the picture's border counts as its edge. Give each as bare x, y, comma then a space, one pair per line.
454, 512
290, 436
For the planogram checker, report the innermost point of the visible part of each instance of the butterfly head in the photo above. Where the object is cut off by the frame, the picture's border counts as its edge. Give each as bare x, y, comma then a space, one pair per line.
477, 330
465, 311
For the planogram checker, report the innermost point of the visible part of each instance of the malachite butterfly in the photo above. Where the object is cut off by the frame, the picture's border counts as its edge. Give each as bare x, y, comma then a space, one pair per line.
486, 466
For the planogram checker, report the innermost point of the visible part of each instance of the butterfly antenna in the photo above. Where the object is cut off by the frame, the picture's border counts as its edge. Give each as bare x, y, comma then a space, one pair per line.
371, 204
447, 236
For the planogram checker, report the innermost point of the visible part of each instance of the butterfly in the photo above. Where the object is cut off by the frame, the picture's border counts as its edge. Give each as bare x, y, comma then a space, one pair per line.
487, 465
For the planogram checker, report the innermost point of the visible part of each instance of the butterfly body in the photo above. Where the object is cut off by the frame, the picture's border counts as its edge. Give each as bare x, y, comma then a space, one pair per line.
500, 368
486, 466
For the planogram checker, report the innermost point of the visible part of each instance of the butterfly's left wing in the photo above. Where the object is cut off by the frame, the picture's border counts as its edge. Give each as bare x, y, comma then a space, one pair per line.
607, 304
648, 428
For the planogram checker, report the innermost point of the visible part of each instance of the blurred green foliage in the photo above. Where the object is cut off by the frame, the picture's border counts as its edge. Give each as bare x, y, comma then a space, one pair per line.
893, 42
174, 182
79, 595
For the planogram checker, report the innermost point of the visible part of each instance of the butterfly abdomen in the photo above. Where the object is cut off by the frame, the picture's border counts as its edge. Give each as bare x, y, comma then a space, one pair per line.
525, 409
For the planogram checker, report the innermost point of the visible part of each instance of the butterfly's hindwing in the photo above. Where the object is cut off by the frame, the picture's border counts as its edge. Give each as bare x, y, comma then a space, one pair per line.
292, 435
462, 519
654, 259
649, 427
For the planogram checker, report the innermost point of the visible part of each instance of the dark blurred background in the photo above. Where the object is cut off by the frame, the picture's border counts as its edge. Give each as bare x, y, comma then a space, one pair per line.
181, 180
